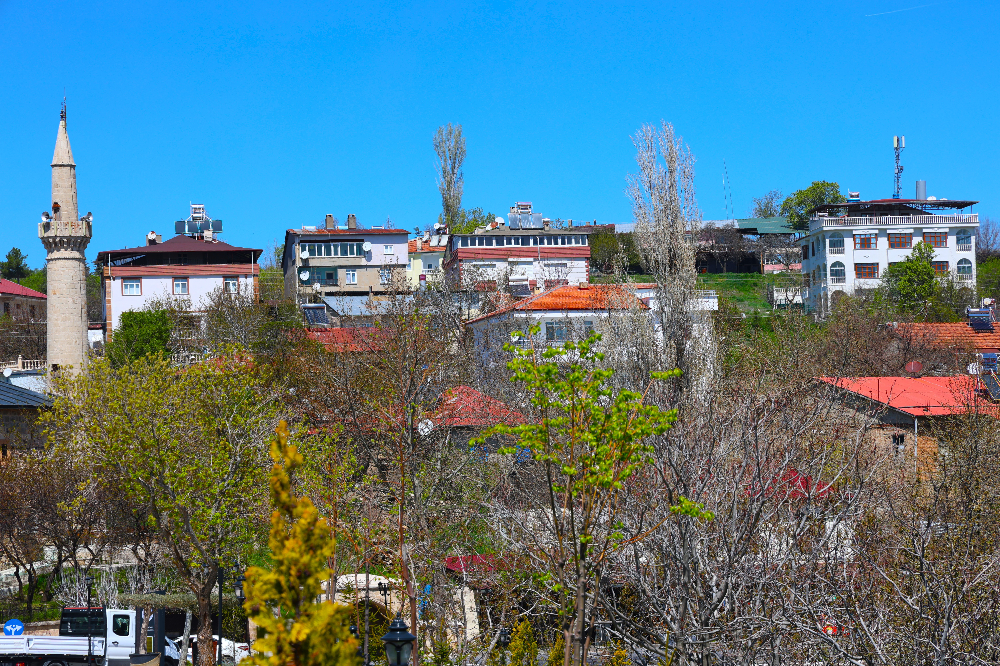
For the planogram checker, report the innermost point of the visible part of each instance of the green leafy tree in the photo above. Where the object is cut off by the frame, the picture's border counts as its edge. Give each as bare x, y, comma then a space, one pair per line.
449, 144
588, 440
15, 266
189, 448
282, 600
37, 280
139, 333
910, 284
557, 653
768, 205
797, 205
470, 220
988, 278
523, 646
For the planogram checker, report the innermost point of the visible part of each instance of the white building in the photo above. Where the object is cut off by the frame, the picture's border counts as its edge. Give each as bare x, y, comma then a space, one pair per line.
426, 258
850, 245
184, 268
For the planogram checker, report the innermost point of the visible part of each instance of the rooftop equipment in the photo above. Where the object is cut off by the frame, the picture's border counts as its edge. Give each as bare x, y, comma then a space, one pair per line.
921, 190
898, 143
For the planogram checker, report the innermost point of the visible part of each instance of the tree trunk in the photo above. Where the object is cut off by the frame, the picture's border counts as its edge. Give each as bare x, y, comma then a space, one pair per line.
206, 646
144, 628
186, 641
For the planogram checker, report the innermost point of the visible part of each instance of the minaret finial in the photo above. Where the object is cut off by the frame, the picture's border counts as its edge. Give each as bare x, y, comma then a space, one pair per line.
62, 114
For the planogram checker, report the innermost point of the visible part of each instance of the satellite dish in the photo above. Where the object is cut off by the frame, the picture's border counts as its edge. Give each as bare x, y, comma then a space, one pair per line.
316, 286
914, 367
437, 225
304, 276
7, 372
304, 254
367, 246
498, 220
425, 427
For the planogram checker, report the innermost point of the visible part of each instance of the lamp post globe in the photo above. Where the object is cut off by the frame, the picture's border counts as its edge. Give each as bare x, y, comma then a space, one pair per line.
398, 643
504, 639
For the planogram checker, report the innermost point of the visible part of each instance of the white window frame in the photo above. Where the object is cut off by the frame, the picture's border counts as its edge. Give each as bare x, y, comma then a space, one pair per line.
351, 276
225, 284
132, 281
384, 275
183, 281
388, 249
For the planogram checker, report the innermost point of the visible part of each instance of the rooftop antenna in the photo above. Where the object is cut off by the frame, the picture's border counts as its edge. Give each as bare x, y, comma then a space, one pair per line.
898, 142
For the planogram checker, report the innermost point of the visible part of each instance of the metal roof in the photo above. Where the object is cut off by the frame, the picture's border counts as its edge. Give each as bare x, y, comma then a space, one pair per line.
765, 225
10, 288
15, 396
889, 204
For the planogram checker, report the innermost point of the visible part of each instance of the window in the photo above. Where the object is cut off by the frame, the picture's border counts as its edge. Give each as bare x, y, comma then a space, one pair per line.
837, 243
120, 625
555, 331
230, 285
319, 249
963, 239
805, 252
350, 276
389, 249
936, 238
940, 267
180, 286
132, 287
409, 264
899, 443
964, 269
465, 241
865, 241
429, 264
900, 241
384, 275
838, 274
865, 271
588, 327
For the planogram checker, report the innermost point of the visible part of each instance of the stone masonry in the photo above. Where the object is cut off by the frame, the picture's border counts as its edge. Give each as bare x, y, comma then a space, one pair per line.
65, 237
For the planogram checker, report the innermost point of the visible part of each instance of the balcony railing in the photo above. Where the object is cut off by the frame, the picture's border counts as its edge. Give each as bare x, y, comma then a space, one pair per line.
836, 250
23, 364
965, 247
838, 280
817, 223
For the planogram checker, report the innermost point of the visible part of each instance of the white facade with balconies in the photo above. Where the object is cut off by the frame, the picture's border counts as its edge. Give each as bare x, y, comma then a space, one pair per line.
852, 251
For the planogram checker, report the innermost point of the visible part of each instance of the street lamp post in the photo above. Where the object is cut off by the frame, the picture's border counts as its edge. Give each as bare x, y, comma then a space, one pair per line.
503, 640
384, 590
398, 643
90, 641
219, 578
240, 579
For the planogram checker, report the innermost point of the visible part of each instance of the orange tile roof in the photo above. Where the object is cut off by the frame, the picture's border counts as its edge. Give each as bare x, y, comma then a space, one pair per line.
952, 335
349, 339
464, 406
8, 287
919, 396
572, 297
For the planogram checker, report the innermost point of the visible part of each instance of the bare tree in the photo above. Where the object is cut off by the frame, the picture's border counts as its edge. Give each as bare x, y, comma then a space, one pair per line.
449, 144
987, 239
768, 205
667, 226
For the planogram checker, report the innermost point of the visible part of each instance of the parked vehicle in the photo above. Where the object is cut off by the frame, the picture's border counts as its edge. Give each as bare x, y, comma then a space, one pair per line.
100, 636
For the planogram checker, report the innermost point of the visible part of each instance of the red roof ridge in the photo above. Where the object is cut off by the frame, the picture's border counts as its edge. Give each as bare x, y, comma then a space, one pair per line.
15, 289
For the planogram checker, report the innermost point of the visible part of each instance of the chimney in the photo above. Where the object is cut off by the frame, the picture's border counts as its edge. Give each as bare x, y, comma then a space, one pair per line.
151, 238
331, 221
352, 221
546, 223
420, 245
570, 223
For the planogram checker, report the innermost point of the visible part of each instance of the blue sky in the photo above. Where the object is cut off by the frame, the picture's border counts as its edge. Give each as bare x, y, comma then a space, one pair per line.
274, 114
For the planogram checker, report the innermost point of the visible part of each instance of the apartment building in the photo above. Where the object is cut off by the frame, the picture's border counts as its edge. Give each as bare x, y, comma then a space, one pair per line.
332, 260
525, 253
425, 259
850, 245
186, 268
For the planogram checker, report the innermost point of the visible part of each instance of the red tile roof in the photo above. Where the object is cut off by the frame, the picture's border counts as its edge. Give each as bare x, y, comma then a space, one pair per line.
465, 407
952, 335
919, 396
349, 339
10, 288
570, 297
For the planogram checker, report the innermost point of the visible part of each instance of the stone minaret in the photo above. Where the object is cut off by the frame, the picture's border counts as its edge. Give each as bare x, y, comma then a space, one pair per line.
65, 237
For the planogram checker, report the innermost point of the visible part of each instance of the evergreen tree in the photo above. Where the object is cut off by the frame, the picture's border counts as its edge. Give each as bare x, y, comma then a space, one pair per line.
297, 630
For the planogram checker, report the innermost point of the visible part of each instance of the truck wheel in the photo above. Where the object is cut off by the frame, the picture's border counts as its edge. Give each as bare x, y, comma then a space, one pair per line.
53, 663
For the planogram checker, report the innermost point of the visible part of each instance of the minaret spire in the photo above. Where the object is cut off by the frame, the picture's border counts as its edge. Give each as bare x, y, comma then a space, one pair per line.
65, 236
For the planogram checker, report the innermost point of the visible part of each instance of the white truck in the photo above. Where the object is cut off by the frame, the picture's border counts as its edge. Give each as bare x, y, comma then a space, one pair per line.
102, 637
